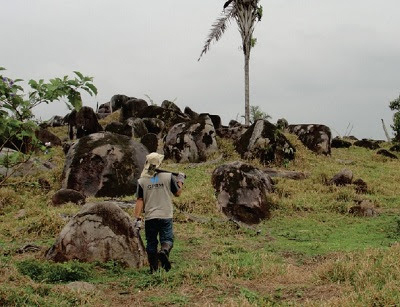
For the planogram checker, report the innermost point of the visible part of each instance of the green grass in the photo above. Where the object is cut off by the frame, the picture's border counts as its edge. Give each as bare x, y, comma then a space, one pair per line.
310, 253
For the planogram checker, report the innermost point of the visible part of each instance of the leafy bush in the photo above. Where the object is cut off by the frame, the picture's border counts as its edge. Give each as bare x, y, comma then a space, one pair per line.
17, 124
54, 272
395, 106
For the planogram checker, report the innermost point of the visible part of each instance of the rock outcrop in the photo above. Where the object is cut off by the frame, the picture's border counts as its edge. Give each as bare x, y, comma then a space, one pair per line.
338, 142
191, 141
99, 232
369, 144
344, 177
242, 192
132, 108
265, 142
317, 138
168, 116
104, 164
64, 196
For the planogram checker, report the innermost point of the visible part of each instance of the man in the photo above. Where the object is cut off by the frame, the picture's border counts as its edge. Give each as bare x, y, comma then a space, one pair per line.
154, 195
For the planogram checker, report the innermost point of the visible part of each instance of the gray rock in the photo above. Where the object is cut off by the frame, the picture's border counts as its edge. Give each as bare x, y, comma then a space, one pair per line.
131, 108
191, 141
188, 111
154, 125
166, 104
386, 153
118, 100
338, 142
119, 128
99, 232
369, 144
344, 177
317, 138
242, 192
285, 174
168, 116
138, 127
64, 196
104, 164
47, 137
364, 208
150, 140
263, 141
282, 124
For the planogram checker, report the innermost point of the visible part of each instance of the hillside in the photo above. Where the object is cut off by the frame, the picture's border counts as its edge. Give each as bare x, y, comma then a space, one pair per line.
311, 252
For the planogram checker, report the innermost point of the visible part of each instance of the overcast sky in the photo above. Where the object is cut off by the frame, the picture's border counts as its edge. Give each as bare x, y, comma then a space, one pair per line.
331, 62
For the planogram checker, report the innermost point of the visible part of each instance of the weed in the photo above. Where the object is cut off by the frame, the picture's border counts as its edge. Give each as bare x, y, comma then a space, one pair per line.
54, 272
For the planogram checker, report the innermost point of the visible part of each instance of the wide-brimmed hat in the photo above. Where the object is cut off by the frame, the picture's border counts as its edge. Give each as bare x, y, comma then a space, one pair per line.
153, 161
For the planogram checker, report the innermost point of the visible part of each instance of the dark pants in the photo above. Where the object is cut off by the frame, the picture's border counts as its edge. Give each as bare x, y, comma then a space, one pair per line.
155, 227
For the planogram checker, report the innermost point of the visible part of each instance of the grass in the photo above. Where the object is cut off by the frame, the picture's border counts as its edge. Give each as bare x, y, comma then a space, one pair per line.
311, 252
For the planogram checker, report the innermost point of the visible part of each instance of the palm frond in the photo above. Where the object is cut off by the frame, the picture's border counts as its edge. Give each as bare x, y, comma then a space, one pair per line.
218, 28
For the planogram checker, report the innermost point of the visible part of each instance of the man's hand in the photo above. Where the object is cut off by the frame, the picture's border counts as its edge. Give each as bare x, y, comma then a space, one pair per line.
137, 225
181, 177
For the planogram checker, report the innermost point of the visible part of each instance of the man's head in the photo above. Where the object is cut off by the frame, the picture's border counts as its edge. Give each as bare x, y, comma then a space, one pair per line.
153, 161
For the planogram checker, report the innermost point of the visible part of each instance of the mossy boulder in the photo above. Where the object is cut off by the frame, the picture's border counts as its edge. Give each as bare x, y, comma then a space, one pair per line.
131, 108
191, 141
99, 232
104, 164
317, 138
265, 142
170, 117
242, 192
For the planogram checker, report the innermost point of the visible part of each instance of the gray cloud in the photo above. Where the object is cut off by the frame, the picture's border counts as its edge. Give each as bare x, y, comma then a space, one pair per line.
330, 62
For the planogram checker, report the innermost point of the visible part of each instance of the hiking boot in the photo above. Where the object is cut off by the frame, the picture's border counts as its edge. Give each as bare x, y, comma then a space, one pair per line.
163, 255
153, 261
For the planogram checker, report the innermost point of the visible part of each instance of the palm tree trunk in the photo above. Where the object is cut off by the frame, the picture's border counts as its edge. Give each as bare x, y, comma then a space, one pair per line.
246, 89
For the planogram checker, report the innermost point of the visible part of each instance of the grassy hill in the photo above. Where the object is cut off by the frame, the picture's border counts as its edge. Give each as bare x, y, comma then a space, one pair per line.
311, 252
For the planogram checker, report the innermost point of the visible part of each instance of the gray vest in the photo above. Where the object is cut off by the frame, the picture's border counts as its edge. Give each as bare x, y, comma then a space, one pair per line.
157, 196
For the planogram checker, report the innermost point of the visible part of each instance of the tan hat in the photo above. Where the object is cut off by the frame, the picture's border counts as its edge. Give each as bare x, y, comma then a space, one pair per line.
153, 161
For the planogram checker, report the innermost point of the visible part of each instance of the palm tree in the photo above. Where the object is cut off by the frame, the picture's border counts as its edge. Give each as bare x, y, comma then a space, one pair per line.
246, 13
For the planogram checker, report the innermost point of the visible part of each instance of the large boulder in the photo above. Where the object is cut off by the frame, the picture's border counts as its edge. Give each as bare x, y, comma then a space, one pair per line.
317, 138
366, 143
131, 108
137, 126
344, 177
99, 232
117, 101
170, 105
154, 125
386, 153
64, 196
47, 137
338, 142
84, 122
119, 128
192, 114
242, 192
104, 164
191, 141
150, 141
170, 117
265, 142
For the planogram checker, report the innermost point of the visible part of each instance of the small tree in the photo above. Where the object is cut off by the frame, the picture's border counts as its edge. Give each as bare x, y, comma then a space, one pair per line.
256, 113
395, 106
246, 13
17, 124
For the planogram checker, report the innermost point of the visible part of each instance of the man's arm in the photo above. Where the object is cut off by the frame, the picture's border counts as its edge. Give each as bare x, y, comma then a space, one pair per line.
138, 207
180, 185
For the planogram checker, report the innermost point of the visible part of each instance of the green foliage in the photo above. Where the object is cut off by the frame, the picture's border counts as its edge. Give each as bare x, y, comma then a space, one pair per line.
395, 106
17, 125
256, 113
54, 272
